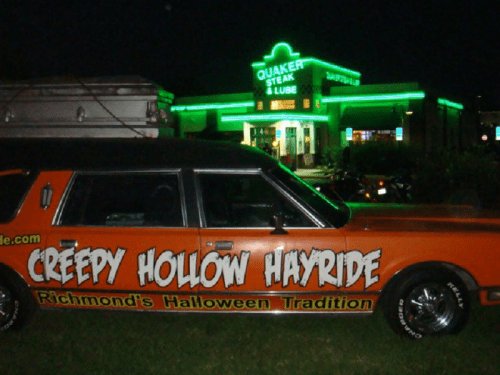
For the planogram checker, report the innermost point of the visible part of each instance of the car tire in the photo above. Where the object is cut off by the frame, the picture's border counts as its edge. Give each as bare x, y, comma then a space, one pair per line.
17, 305
425, 303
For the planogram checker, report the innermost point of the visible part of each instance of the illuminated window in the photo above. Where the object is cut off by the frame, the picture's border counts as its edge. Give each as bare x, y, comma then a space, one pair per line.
277, 105
260, 105
307, 140
362, 136
399, 134
348, 134
307, 103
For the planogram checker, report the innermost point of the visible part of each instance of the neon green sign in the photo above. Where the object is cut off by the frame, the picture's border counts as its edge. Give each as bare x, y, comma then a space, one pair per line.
283, 90
342, 79
282, 70
279, 79
278, 75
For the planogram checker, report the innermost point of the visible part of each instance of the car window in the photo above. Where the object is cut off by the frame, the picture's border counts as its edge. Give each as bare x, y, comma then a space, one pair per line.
337, 213
124, 200
247, 201
13, 188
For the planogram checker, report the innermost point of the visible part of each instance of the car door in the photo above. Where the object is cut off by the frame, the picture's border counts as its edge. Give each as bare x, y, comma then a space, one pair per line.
242, 251
123, 232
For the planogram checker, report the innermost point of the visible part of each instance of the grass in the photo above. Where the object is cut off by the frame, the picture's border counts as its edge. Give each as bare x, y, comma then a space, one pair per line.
94, 342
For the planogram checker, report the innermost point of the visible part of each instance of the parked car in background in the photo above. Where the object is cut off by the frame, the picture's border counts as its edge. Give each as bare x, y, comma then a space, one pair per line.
193, 226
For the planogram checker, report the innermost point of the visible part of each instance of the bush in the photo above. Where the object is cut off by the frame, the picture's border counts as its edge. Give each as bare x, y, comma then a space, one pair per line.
383, 158
472, 177
332, 157
373, 158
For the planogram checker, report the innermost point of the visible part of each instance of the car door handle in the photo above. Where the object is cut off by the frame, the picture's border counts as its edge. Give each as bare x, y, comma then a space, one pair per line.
223, 245
68, 243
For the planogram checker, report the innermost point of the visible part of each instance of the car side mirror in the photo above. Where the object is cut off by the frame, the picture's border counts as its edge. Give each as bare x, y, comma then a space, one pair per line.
278, 218
278, 224
46, 196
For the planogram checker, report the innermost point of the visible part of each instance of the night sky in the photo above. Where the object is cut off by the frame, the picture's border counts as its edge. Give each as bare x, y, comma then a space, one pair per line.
197, 47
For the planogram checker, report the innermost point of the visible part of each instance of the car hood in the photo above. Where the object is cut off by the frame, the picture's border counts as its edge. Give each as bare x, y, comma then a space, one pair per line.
403, 217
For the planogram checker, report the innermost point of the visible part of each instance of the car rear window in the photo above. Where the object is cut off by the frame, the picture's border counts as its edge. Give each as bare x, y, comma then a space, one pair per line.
124, 200
13, 188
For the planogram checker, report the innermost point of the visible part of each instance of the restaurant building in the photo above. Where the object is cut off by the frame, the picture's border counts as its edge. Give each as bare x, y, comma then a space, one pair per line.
299, 106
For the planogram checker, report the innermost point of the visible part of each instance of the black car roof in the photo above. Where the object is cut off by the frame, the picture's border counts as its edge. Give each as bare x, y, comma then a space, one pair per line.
95, 154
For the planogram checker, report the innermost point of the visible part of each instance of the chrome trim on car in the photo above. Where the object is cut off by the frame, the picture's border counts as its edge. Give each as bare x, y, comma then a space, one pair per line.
319, 223
216, 292
260, 312
62, 203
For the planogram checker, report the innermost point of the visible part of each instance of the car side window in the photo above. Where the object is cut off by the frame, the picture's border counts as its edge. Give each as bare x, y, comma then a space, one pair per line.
245, 201
124, 200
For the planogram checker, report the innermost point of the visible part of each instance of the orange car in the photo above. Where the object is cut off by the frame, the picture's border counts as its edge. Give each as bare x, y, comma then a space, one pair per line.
192, 226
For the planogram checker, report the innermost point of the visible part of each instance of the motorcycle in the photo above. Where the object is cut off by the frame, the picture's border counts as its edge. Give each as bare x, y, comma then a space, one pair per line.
397, 189
347, 185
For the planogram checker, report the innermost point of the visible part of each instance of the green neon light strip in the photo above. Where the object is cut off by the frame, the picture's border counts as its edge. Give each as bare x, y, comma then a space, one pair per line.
377, 97
450, 104
333, 66
282, 44
165, 95
201, 107
321, 63
275, 117
313, 60
273, 52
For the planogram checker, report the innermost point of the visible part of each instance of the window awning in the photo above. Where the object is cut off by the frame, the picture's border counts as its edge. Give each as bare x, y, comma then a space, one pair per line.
370, 118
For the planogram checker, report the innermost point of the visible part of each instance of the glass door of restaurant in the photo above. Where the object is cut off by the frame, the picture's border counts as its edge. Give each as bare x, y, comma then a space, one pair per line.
263, 138
291, 146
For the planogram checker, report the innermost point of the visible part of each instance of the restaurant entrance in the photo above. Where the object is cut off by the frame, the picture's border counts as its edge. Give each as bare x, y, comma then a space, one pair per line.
291, 146
290, 142
262, 137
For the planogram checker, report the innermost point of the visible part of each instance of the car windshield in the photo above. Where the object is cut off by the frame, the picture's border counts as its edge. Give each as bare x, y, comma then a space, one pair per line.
337, 213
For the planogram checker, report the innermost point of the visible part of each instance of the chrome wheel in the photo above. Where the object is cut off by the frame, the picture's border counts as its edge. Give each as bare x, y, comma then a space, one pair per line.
6, 305
17, 304
430, 307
